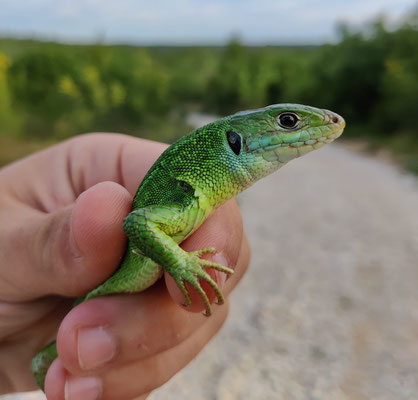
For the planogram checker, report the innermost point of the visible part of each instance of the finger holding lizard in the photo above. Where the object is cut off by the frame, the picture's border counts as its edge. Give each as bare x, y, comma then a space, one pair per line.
62, 213
145, 335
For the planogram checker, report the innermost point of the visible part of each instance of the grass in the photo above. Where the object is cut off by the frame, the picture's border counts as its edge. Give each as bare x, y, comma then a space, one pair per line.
12, 149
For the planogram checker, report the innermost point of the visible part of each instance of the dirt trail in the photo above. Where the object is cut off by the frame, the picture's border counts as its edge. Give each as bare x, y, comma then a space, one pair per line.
329, 307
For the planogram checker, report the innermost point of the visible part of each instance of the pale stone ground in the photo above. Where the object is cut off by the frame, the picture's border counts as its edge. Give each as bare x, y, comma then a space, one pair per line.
329, 307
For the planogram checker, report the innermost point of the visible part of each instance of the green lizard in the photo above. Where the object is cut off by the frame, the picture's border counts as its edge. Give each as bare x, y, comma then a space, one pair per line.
189, 181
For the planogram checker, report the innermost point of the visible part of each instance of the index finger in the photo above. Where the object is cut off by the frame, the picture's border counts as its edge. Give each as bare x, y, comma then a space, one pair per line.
55, 177
111, 157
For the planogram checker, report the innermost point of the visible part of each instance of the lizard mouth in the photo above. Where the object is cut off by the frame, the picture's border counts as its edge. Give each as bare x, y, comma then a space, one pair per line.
331, 128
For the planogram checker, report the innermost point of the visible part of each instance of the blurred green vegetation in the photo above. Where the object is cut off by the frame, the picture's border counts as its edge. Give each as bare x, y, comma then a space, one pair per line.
51, 91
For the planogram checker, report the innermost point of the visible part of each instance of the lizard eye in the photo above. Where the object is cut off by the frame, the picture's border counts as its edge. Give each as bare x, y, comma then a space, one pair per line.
234, 141
287, 120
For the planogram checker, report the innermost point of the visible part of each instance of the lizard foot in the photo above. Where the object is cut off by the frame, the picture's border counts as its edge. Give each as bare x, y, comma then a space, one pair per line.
192, 271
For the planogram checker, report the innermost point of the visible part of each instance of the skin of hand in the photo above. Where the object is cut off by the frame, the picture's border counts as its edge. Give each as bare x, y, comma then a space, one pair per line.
61, 214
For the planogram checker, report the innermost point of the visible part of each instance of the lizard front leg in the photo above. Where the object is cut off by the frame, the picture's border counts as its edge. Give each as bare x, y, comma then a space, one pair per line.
150, 230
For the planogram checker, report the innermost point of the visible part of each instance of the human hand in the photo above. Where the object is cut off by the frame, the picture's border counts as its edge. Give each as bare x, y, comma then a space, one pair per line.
61, 212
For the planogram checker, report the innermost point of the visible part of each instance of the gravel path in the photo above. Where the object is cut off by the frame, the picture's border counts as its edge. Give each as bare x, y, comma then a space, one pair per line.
329, 307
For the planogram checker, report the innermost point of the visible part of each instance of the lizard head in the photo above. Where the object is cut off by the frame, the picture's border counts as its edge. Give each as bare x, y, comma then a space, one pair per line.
225, 157
267, 138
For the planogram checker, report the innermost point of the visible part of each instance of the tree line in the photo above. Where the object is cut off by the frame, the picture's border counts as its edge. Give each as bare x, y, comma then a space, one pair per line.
52, 91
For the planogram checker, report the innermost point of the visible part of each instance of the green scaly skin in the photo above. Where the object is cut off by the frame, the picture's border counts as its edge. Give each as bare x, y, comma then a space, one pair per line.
192, 178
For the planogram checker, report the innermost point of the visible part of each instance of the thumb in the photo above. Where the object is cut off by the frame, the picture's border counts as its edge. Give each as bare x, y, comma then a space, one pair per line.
72, 250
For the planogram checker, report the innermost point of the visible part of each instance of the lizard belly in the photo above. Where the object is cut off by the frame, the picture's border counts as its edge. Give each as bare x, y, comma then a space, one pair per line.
192, 217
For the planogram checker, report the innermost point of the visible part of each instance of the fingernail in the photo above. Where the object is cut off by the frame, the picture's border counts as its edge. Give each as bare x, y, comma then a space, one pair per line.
221, 277
82, 388
95, 346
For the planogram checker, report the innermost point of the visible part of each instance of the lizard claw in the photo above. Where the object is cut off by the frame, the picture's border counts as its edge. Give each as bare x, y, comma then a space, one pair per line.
201, 252
192, 272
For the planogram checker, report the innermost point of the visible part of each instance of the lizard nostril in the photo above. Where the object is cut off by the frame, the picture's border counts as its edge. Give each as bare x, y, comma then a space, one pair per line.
335, 120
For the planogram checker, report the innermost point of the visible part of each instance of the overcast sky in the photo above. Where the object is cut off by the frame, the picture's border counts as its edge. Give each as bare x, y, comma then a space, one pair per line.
190, 21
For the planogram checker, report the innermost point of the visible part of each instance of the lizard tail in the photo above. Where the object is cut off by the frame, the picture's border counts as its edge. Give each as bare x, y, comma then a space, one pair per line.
42, 361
